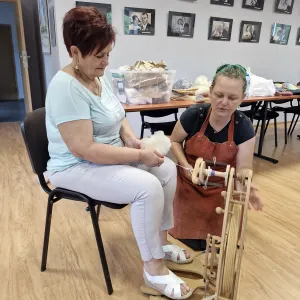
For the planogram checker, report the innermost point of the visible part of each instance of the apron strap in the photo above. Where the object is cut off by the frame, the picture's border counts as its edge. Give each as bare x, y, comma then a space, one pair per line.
231, 130
204, 125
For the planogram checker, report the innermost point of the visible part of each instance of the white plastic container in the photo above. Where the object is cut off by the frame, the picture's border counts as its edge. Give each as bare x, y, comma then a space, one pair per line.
143, 87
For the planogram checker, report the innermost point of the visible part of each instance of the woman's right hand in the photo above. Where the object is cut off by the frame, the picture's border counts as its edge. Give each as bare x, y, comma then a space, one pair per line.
187, 173
151, 158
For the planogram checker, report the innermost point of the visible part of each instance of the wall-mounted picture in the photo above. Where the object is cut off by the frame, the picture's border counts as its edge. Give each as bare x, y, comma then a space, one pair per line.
280, 34
181, 24
52, 26
254, 4
44, 26
139, 21
298, 37
222, 2
103, 8
220, 29
250, 32
284, 6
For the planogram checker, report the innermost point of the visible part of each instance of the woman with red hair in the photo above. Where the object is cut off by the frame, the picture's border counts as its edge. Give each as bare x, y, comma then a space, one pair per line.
94, 151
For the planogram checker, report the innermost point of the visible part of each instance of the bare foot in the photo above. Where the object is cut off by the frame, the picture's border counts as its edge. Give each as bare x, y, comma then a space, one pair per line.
156, 267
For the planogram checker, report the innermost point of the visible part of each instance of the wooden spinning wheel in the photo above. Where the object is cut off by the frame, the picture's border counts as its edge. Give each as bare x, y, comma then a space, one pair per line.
222, 263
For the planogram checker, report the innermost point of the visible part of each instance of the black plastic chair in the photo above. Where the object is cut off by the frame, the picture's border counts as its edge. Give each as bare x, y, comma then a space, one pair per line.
166, 127
35, 137
286, 110
255, 113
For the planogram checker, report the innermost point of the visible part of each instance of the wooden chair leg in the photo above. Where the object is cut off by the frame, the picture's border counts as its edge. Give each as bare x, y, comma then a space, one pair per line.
275, 132
47, 233
101, 249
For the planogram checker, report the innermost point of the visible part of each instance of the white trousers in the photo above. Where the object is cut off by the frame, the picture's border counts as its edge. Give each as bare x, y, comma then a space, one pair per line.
149, 192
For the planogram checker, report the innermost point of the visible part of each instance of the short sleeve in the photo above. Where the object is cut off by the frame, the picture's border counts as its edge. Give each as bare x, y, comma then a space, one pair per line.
189, 118
244, 128
68, 103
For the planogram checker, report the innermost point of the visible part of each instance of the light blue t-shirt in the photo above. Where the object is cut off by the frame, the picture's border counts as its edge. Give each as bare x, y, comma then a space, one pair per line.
68, 100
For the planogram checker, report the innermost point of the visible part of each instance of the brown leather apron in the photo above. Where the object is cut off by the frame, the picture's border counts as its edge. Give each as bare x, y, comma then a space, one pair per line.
194, 206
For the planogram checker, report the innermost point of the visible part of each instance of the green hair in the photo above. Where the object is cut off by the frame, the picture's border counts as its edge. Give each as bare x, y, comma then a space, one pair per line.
231, 71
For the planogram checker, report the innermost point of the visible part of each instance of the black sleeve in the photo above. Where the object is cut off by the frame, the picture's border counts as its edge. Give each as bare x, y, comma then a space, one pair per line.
244, 130
189, 118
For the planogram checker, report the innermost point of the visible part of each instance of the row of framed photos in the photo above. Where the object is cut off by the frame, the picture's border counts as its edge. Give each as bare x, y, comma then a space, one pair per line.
140, 21
281, 6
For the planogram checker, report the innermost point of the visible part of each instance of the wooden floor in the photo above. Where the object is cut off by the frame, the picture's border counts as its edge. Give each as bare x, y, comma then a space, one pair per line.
271, 262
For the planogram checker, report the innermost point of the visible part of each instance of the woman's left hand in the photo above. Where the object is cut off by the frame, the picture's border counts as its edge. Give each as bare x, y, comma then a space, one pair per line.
255, 200
134, 143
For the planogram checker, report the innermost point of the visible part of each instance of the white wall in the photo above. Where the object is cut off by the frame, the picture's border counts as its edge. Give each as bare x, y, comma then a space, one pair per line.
7, 16
52, 61
199, 56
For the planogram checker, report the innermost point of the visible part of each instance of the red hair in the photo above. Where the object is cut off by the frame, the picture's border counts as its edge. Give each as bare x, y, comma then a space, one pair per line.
87, 29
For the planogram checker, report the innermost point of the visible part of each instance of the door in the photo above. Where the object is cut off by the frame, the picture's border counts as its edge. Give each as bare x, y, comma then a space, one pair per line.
23, 53
8, 83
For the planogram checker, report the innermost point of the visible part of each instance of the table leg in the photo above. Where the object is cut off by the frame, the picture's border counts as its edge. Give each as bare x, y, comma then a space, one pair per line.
261, 137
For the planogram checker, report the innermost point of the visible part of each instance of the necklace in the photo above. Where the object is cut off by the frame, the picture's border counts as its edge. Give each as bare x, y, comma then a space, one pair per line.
95, 90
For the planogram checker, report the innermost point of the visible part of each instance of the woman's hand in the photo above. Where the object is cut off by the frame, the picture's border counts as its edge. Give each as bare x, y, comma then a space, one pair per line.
187, 173
134, 143
255, 200
151, 158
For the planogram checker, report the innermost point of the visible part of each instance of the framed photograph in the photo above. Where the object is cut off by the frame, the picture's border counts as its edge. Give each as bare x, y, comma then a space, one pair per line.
250, 32
222, 2
103, 8
220, 29
44, 26
181, 24
284, 6
298, 37
52, 26
280, 34
139, 21
254, 4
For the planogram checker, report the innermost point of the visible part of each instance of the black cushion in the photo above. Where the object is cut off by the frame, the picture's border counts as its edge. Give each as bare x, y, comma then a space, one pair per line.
35, 138
159, 113
166, 127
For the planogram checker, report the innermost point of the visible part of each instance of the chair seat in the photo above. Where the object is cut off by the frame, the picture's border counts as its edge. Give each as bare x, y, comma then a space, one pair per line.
166, 127
270, 115
293, 110
76, 196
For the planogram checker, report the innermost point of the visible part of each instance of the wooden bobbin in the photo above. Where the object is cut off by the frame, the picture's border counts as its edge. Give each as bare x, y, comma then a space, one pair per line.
201, 173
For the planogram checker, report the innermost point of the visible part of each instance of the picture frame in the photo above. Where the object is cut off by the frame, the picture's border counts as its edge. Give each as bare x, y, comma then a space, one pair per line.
103, 8
52, 26
254, 4
44, 26
298, 37
220, 29
250, 32
139, 21
280, 34
223, 2
284, 6
181, 24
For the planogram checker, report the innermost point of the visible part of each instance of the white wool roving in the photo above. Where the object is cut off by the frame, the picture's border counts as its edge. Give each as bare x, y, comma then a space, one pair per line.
158, 141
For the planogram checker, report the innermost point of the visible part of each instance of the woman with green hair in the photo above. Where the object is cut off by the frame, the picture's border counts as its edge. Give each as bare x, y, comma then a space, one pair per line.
217, 132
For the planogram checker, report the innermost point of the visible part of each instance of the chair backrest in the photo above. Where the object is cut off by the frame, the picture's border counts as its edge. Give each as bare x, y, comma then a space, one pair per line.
159, 113
35, 137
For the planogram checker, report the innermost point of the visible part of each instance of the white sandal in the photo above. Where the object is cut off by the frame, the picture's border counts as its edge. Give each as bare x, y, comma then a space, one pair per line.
172, 282
175, 252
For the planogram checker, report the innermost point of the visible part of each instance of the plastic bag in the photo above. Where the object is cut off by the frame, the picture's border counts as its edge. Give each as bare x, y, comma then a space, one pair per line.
260, 86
